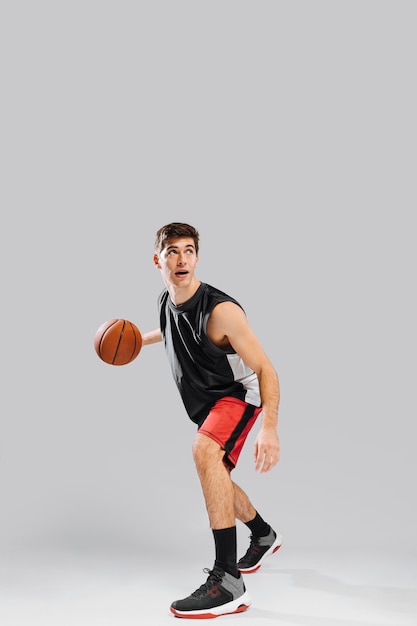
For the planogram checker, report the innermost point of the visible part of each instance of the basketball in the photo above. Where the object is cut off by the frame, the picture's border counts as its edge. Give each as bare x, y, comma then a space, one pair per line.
118, 342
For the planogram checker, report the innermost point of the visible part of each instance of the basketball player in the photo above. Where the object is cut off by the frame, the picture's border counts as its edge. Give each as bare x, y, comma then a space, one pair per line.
226, 382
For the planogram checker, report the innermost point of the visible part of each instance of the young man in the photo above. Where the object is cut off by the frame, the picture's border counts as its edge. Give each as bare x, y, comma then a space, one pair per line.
226, 381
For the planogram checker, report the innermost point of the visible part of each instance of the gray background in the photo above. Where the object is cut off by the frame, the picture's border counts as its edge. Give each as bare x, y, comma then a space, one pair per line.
286, 133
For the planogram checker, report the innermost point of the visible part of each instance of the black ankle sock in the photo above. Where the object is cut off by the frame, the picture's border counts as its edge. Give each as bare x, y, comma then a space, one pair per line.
226, 550
258, 527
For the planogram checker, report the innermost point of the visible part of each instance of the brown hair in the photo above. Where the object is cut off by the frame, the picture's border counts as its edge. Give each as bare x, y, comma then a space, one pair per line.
175, 230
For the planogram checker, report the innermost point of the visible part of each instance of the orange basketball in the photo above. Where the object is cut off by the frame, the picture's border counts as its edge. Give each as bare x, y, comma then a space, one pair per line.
118, 342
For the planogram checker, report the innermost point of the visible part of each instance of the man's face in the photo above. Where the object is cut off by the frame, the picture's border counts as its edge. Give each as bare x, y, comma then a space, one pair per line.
177, 262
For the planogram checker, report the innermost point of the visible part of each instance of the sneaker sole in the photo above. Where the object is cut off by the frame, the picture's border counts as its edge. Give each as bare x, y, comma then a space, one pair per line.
235, 606
274, 548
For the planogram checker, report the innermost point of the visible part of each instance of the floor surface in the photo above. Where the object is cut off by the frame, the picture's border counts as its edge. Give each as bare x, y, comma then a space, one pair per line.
293, 588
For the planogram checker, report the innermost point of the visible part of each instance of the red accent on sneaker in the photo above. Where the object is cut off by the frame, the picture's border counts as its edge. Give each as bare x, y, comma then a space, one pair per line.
239, 609
214, 591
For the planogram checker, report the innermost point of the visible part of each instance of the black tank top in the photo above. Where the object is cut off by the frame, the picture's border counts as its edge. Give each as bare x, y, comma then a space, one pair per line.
202, 372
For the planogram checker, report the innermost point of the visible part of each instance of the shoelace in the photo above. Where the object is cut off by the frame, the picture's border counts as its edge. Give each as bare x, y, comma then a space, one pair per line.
215, 576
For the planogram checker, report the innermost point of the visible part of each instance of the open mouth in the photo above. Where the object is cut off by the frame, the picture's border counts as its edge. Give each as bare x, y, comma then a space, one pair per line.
181, 273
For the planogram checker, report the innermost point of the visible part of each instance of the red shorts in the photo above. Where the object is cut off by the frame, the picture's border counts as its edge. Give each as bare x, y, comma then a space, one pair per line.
229, 423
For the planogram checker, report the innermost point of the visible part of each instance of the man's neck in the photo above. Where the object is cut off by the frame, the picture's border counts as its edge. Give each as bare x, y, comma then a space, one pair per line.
179, 295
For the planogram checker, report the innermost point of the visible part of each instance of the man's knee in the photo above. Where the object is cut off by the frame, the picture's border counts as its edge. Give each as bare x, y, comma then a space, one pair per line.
206, 450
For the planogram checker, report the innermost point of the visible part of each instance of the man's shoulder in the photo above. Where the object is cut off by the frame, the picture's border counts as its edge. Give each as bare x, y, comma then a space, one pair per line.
218, 296
217, 293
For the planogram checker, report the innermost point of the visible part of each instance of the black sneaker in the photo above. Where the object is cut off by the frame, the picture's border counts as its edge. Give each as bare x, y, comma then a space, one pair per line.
221, 594
259, 549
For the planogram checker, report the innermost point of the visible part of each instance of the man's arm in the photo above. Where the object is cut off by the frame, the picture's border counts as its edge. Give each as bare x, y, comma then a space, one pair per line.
228, 326
154, 336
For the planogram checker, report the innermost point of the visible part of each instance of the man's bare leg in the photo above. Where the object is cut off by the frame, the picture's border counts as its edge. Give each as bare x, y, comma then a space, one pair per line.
224, 592
225, 500
218, 493
244, 510
217, 486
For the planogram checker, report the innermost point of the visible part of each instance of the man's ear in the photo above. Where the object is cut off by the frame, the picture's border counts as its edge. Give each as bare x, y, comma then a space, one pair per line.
156, 261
